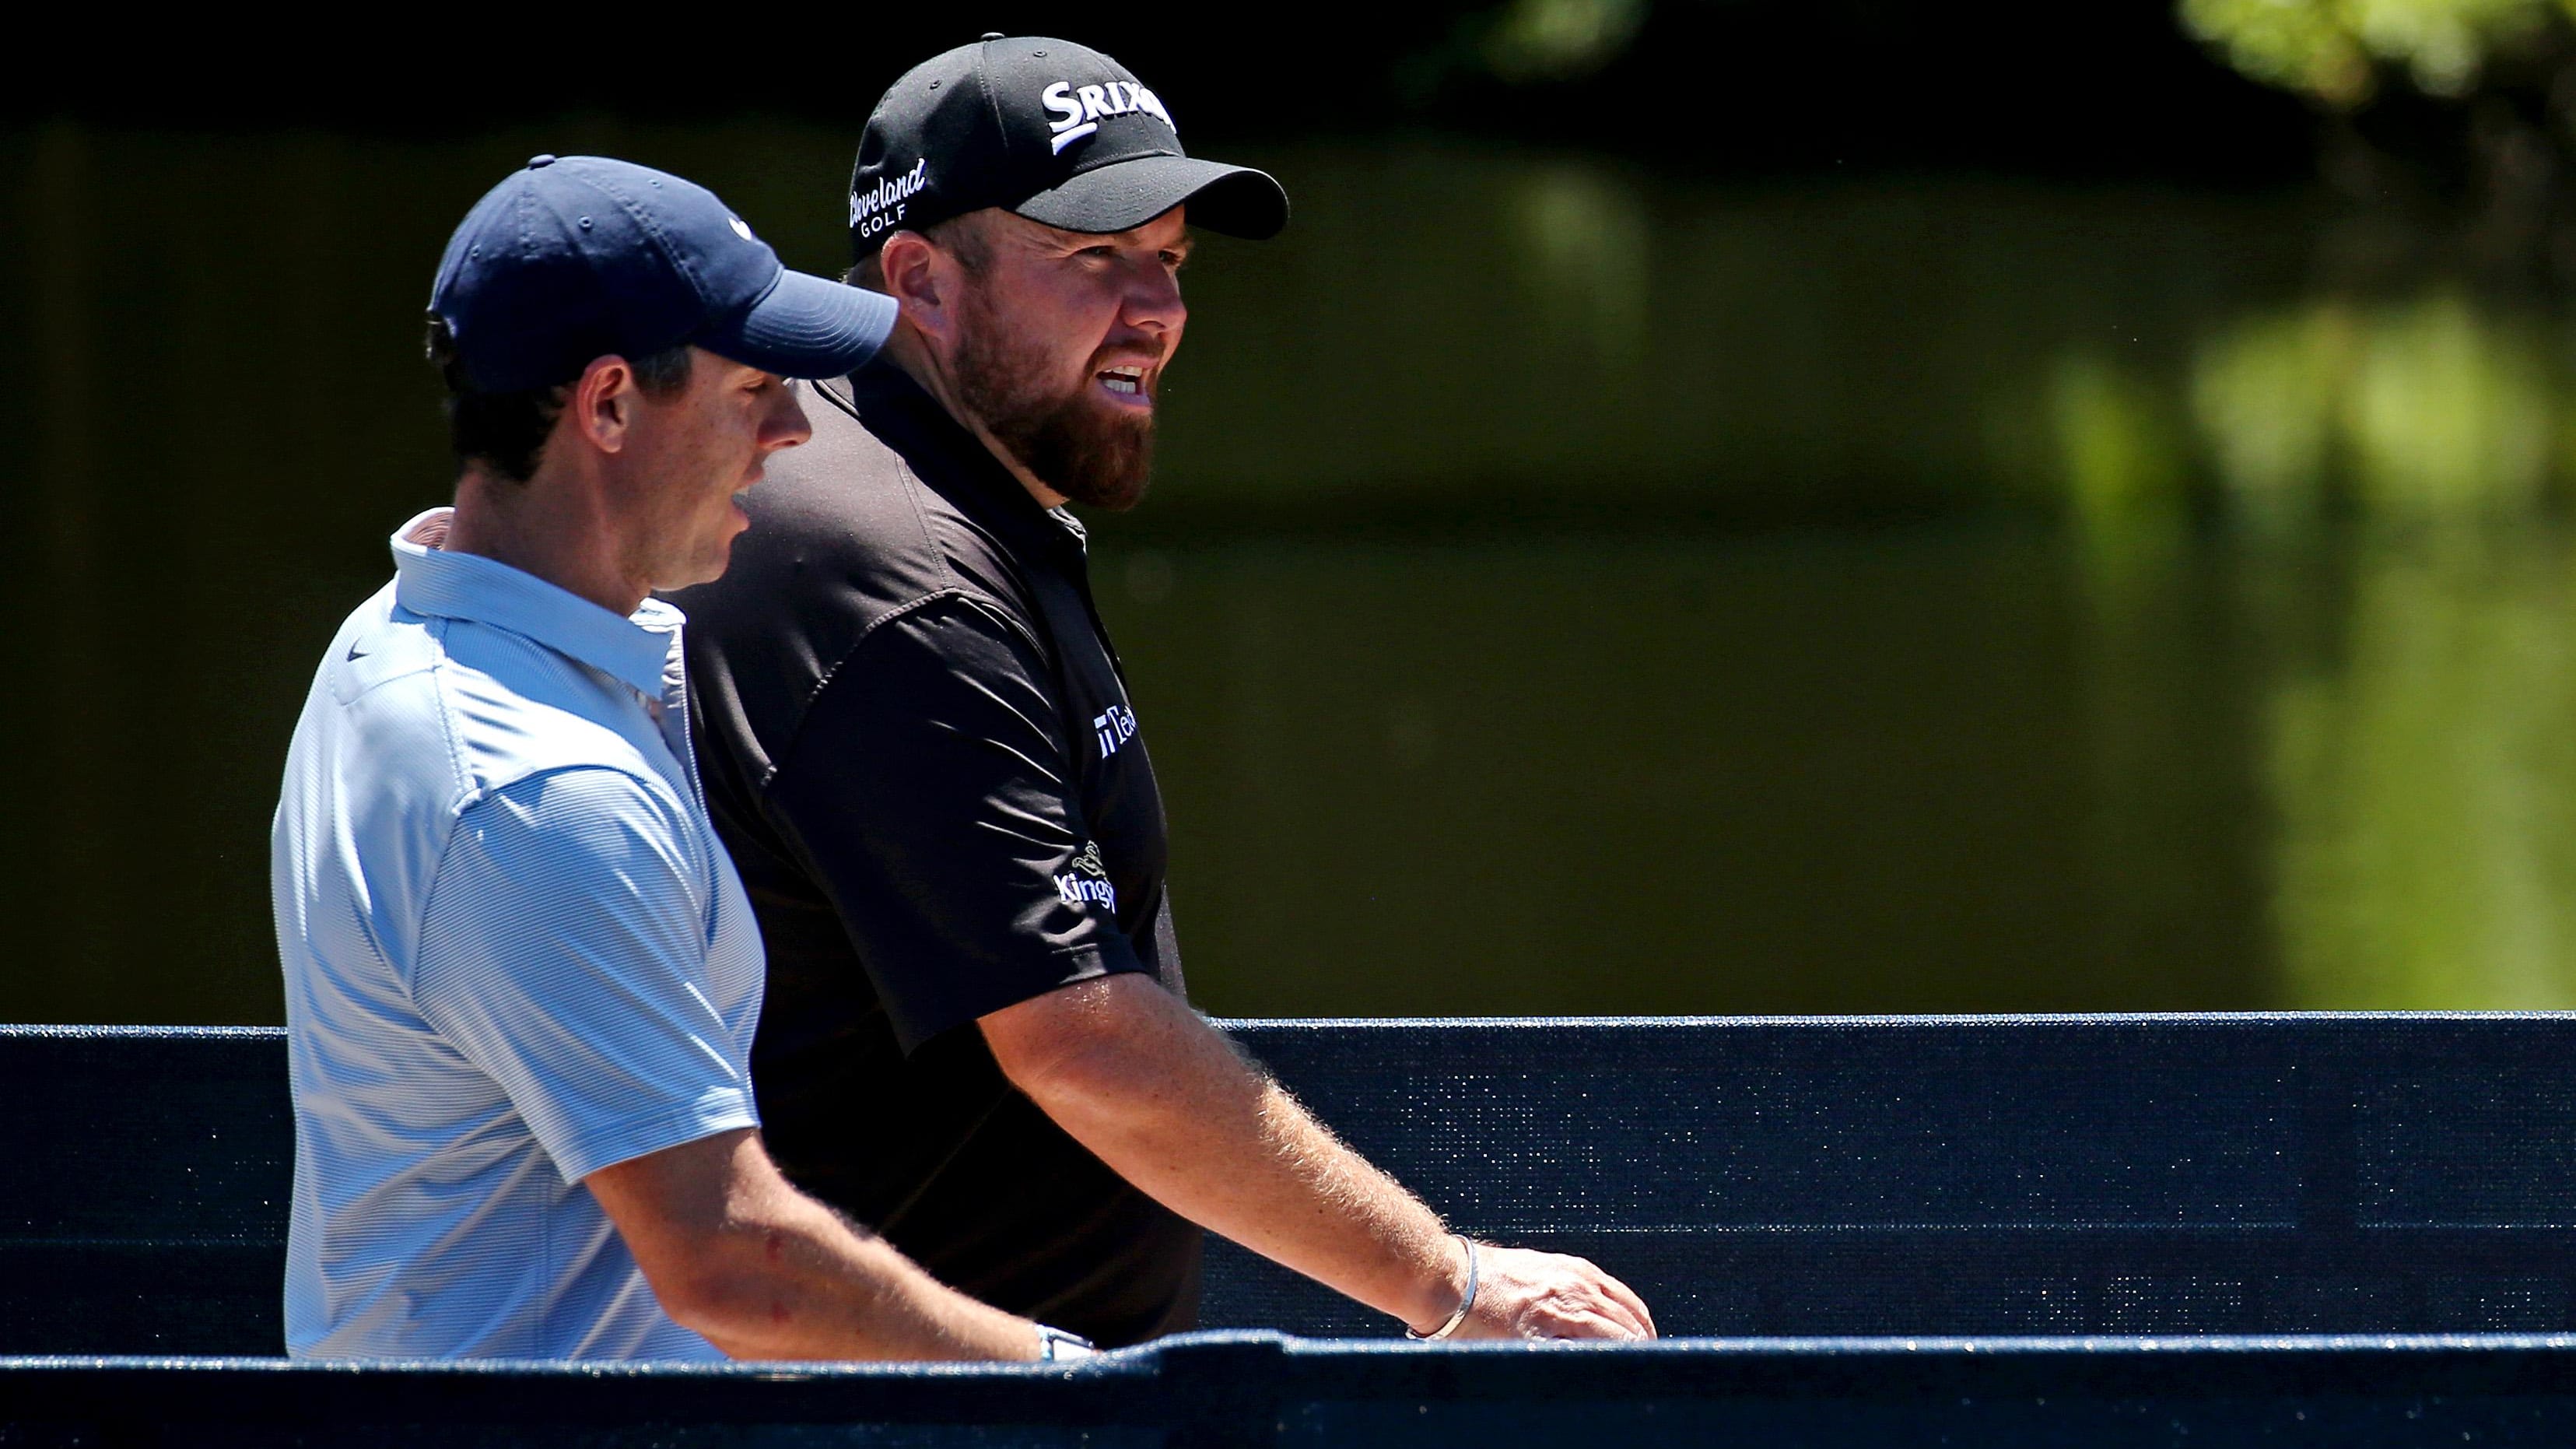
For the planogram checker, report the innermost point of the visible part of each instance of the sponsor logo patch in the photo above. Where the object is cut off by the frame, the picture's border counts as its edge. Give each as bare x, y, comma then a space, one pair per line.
881, 205
1088, 882
1078, 109
1112, 728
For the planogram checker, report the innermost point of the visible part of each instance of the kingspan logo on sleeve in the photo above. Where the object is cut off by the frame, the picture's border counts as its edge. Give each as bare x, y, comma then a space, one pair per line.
1078, 109
1087, 883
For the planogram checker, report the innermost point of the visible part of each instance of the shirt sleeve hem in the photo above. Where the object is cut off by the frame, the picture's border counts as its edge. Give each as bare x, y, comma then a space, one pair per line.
721, 1110
1084, 962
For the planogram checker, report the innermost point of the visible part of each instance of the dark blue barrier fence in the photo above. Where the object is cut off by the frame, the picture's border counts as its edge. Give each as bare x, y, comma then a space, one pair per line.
2036, 1175
1968, 1178
1212, 1391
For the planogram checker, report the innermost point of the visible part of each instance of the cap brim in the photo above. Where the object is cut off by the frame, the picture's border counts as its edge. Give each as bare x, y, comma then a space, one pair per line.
805, 326
1234, 200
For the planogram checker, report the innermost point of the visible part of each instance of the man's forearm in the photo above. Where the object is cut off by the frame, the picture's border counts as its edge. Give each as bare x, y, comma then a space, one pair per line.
737, 1254
801, 1284
1168, 1104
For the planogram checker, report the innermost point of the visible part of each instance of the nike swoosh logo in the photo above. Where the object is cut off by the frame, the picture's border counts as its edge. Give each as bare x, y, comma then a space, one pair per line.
356, 653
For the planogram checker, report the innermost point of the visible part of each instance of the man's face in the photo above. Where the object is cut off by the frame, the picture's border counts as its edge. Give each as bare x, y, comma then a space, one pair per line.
690, 452
1062, 340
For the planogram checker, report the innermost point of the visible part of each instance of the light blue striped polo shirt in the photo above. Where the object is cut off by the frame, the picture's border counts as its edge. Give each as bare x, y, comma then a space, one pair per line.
514, 954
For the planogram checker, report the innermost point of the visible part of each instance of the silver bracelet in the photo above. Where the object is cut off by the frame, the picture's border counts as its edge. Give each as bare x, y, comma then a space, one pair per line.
1466, 1300
1057, 1346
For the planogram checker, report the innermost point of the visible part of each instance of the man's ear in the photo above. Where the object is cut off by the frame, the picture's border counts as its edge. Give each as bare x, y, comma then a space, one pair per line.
602, 405
920, 279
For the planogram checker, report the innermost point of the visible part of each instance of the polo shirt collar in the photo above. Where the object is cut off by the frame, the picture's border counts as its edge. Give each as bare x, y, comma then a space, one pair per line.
883, 396
429, 580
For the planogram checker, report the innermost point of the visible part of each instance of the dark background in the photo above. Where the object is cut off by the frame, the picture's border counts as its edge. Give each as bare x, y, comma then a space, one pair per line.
1801, 507
2106, 90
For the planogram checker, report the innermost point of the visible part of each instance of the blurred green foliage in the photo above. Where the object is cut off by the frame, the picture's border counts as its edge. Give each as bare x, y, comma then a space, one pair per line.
2423, 781
2419, 767
2336, 50
2434, 411
1532, 40
1903, 594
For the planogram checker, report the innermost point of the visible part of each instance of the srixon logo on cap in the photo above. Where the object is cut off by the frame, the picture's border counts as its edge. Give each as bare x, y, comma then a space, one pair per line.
1078, 109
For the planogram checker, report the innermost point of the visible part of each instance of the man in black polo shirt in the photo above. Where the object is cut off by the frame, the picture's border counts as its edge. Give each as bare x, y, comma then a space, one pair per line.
919, 746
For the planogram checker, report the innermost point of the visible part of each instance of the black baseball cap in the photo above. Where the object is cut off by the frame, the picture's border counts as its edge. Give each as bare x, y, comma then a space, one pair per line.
1054, 131
576, 257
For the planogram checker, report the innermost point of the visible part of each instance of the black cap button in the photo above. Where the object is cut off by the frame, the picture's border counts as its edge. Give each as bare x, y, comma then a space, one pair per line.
541, 159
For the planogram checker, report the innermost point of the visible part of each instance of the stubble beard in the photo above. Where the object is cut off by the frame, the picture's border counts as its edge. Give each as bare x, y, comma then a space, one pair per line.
1073, 444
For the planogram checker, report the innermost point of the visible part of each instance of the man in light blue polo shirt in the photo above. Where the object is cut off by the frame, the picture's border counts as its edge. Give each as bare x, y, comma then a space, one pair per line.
521, 975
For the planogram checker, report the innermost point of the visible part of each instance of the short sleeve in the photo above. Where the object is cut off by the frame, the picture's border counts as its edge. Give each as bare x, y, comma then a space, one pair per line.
564, 951
929, 793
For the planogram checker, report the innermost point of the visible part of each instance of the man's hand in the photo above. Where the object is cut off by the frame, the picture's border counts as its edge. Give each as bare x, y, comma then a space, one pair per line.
1524, 1294
1130, 1072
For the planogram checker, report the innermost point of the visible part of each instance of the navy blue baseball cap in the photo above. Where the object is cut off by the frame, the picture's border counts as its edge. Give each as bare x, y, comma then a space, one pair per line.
577, 257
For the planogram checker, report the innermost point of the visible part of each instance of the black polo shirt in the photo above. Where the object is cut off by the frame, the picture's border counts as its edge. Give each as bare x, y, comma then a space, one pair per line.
918, 746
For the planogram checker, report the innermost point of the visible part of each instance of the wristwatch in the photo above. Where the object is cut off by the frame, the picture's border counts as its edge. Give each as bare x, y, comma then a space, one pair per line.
1057, 1346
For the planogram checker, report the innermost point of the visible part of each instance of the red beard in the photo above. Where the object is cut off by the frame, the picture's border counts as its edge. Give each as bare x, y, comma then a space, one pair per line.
1075, 444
